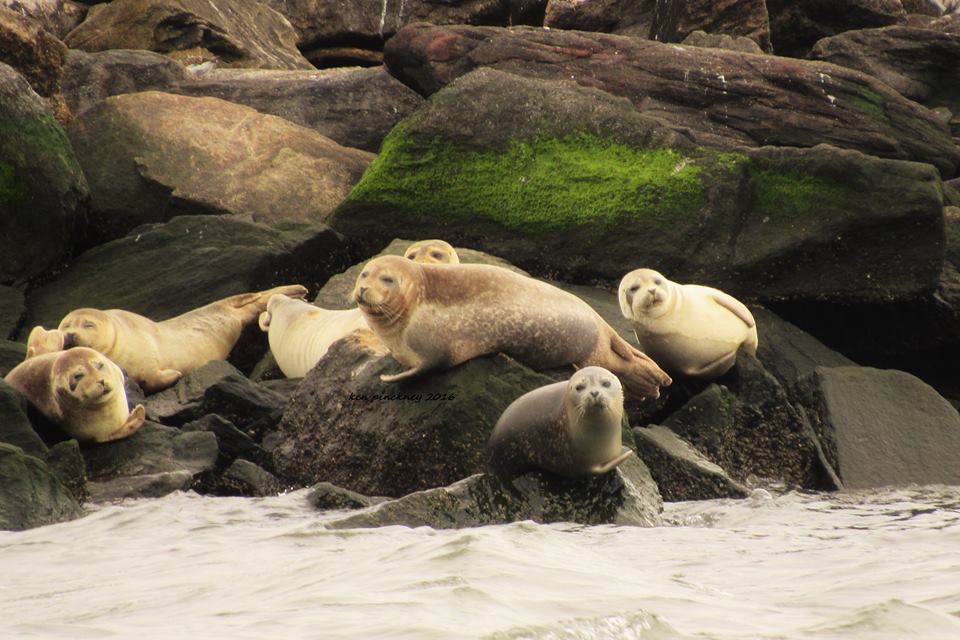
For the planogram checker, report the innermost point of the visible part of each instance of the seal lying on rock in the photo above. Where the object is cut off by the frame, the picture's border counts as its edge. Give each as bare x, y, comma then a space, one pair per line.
687, 328
571, 428
432, 252
41, 341
81, 391
157, 354
438, 316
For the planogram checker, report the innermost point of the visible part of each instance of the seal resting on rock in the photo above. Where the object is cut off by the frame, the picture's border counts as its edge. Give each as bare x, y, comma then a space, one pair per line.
157, 354
438, 316
687, 328
41, 341
432, 252
572, 428
81, 391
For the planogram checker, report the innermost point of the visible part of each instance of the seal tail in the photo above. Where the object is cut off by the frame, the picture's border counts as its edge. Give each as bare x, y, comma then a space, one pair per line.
641, 375
261, 297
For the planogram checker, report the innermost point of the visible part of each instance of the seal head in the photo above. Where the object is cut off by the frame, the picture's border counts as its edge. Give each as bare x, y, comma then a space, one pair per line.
432, 252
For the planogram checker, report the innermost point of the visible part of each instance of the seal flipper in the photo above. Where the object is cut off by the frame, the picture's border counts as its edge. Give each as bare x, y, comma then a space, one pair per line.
133, 422
160, 379
403, 375
612, 464
243, 299
718, 367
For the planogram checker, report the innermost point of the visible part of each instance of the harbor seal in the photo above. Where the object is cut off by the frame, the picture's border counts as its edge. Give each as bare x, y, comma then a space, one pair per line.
687, 328
438, 316
157, 354
301, 333
42, 341
79, 390
572, 428
432, 252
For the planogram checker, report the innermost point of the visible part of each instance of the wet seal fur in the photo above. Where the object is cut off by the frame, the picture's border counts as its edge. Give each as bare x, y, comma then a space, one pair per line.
689, 329
79, 390
157, 354
438, 316
572, 428
432, 252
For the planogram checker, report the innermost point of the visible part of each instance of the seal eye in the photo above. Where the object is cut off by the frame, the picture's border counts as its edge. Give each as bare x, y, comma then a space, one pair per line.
580, 387
437, 255
99, 366
411, 256
657, 281
75, 380
386, 280
364, 274
88, 325
634, 288
606, 383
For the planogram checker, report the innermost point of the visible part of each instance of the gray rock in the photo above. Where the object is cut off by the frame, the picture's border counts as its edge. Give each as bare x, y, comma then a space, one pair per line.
882, 427
66, 462
30, 495
722, 41
626, 17
12, 308
58, 17
154, 461
245, 478
795, 25
325, 496
674, 20
681, 472
232, 33
590, 166
183, 401
625, 496
232, 442
15, 427
11, 354
164, 270
90, 78
43, 192
788, 352
151, 155
354, 107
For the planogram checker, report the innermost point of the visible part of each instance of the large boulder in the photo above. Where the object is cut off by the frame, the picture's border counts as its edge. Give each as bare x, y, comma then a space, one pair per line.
233, 33
674, 20
30, 494
790, 353
717, 96
353, 107
57, 17
11, 354
919, 63
15, 427
625, 496
795, 25
344, 425
626, 17
11, 310
583, 186
149, 155
164, 270
89, 78
43, 192
882, 427
39, 56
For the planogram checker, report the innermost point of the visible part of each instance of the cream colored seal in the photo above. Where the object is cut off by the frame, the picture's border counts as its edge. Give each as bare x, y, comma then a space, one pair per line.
301, 333
157, 354
432, 252
42, 341
689, 329
438, 316
79, 390
571, 428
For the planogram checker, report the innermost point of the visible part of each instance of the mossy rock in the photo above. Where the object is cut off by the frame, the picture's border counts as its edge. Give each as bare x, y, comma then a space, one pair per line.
15, 427
30, 495
43, 193
571, 182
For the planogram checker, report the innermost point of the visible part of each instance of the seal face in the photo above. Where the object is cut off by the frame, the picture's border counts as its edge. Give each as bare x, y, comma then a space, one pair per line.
689, 329
81, 391
41, 341
432, 252
157, 354
572, 428
438, 316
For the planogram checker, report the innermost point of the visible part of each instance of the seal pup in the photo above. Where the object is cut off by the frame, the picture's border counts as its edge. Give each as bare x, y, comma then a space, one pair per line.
572, 428
81, 391
41, 341
432, 252
157, 354
687, 328
438, 316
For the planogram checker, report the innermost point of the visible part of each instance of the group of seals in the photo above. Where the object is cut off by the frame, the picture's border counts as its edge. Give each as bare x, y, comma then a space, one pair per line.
687, 328
438, 316
81, 391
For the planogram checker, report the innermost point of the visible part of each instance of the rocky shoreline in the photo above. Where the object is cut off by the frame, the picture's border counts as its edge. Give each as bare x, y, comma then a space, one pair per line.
804, 160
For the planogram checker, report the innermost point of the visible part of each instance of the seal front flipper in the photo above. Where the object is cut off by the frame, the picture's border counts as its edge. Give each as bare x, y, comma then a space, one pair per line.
613, 464
244, 299
403, 375
133, 422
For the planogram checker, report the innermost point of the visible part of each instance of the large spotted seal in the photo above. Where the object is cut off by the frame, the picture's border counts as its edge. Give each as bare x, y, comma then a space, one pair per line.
687, 328
157, 354
81, 391
570, 428
432, 252
438, 316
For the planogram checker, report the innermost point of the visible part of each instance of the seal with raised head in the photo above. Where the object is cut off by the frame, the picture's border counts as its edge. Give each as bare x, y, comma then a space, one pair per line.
572, 428
42, 341
689, 329
81, 391
438, 316
157, 354
432, 252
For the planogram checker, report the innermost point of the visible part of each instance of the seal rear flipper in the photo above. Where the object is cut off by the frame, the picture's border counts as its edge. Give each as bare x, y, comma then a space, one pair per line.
133, 422
261, 297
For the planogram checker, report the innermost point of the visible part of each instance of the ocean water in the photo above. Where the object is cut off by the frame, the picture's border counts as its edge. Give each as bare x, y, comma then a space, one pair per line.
872, 565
